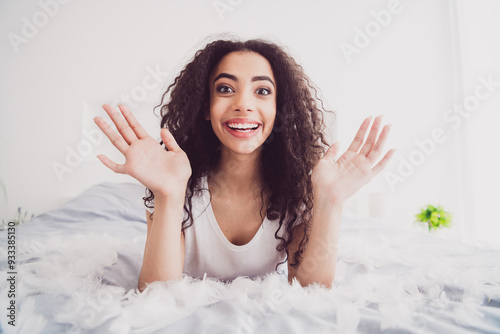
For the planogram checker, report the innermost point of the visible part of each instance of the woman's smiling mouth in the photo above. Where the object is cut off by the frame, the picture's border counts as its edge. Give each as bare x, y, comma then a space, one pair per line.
242, 128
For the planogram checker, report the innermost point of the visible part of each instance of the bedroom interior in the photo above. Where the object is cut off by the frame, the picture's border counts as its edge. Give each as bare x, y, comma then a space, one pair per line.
431, 67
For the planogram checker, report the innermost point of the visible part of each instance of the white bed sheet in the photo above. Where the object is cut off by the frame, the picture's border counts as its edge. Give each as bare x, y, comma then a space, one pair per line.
78, 268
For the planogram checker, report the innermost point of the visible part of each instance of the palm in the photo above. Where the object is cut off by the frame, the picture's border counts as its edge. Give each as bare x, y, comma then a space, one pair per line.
160, 170
150, 164
339, 179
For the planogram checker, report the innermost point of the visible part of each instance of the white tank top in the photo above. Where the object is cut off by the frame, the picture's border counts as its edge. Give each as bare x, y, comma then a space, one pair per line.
208, 251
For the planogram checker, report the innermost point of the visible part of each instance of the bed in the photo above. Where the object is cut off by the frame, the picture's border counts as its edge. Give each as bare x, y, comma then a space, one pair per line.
77, 270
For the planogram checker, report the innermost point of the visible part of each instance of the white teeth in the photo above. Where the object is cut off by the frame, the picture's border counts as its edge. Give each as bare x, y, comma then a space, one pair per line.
244, 127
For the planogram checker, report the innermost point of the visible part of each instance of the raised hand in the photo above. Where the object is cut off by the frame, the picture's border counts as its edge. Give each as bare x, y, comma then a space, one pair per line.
338, 179
164, 172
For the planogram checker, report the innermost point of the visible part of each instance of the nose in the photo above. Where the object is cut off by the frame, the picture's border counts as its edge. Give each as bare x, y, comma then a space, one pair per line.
244, 102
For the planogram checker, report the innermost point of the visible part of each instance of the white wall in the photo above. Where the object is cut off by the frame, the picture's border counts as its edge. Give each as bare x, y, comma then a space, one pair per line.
92, 52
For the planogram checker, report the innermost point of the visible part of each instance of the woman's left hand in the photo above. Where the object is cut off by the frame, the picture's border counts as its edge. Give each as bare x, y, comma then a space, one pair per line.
335, 180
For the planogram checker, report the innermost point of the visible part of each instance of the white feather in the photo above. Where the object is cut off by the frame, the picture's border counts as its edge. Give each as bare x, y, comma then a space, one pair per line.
402, 280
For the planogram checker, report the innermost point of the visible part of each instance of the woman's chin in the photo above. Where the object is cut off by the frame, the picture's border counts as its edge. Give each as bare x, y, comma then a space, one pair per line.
246, 147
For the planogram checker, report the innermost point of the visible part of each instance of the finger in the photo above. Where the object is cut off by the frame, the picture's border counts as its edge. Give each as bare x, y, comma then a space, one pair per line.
169, 141
132, 122
372, 137
114, 137
121, 125
379, 145
111, 165
382, 163
331, 153
360, 136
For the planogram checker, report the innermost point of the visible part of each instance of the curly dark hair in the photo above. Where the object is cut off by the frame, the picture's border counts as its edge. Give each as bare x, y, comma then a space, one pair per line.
289, 154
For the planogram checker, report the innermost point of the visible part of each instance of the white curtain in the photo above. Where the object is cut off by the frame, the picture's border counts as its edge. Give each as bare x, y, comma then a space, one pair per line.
476, 45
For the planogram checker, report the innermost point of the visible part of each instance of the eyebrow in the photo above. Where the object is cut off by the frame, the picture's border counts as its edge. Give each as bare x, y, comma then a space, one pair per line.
234, 78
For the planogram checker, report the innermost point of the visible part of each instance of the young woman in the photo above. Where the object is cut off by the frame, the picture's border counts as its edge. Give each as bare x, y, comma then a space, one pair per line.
245, 182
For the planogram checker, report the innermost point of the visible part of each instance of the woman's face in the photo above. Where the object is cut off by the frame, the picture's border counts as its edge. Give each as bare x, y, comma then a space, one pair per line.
242, 101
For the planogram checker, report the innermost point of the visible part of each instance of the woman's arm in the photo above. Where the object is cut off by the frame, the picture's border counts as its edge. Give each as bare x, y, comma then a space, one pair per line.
165, 173
164, 250
318, 264
334, 181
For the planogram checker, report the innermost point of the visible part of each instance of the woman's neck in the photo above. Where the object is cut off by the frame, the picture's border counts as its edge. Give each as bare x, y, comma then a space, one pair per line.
237, 174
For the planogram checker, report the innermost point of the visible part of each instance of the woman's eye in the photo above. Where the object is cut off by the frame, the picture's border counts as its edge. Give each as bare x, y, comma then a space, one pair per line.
263, 91
224, 89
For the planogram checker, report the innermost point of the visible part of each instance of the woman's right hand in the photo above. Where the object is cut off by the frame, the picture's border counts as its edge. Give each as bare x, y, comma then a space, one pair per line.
165, 173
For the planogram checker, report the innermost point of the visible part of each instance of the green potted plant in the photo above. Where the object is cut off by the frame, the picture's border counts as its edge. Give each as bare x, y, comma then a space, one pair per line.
434, 217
